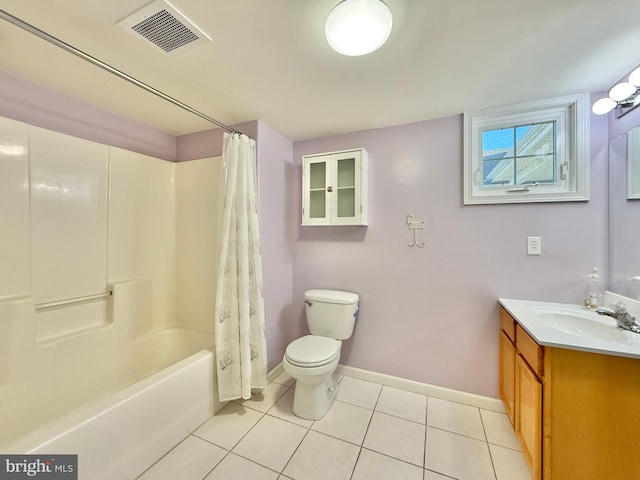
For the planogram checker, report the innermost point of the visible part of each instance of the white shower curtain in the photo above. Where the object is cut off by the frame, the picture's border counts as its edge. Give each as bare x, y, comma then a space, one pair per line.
239, 325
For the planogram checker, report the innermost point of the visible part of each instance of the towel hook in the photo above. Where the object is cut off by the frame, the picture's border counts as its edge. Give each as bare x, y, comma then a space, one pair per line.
415, 224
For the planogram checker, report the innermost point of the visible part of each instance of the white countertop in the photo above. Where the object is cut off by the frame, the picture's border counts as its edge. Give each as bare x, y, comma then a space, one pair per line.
613, 341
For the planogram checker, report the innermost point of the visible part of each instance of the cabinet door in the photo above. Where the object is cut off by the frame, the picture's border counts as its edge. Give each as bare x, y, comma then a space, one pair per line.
334, 190
315, 191
528, 410
346, 201
507, 374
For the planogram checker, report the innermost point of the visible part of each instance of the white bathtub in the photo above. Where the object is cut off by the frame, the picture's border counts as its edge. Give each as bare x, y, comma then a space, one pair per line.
120, 436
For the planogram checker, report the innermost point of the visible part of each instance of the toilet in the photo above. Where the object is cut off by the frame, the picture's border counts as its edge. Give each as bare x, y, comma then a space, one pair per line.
312, 359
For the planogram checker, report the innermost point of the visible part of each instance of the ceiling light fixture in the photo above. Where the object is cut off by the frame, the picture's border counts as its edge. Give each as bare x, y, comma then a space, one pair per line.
358, 27
623, 97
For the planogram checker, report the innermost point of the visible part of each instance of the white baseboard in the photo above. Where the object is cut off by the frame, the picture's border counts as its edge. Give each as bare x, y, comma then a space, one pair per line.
273, 374
443, 393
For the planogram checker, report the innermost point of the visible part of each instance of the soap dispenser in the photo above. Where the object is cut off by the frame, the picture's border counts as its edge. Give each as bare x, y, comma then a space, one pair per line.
592, 298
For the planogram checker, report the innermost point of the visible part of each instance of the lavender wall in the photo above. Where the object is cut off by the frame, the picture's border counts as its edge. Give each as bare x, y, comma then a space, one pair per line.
275, 169
44, 108
431, 314
208, 143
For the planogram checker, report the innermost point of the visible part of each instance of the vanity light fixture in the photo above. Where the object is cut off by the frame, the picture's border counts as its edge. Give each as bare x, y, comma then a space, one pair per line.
358, 27
623, 97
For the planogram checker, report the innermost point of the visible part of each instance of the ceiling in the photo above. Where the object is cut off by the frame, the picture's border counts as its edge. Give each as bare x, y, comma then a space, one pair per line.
269, 60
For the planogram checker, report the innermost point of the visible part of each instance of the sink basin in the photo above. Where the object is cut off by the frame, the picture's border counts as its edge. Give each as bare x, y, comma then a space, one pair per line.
582, 324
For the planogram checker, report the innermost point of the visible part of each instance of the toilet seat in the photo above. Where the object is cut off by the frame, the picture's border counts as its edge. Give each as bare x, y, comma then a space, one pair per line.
312, 351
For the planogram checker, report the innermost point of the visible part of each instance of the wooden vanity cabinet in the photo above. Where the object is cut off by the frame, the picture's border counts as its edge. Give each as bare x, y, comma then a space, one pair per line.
507, 363
576, 414
521, 363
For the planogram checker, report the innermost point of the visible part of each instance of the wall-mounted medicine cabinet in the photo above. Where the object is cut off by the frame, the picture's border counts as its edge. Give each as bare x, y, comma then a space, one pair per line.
334, 188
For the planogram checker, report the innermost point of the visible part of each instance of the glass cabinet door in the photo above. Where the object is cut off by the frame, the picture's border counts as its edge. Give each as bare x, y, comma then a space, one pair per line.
318, 189
346, 180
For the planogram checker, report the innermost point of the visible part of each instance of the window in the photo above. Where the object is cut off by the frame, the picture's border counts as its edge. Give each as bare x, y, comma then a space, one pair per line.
534, 152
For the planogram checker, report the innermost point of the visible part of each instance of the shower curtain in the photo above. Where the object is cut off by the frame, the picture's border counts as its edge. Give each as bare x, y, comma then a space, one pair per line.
239, 325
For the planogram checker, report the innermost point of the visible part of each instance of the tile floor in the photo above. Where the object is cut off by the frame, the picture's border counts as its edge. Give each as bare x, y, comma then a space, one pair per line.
371, 432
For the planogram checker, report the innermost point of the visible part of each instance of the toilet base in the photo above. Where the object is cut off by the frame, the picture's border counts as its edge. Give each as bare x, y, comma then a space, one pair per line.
312, 400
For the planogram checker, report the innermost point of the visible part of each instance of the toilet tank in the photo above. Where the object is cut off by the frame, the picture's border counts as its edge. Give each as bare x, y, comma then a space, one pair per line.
331, 313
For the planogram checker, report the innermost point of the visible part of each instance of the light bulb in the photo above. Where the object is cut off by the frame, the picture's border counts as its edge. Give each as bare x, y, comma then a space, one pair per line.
603, 106
621, 91
358, 27
634, 77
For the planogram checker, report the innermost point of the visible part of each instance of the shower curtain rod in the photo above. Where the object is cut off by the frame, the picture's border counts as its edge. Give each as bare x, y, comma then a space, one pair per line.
105, 66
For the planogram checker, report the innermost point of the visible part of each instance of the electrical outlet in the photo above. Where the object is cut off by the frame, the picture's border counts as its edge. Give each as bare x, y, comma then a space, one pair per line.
534, 246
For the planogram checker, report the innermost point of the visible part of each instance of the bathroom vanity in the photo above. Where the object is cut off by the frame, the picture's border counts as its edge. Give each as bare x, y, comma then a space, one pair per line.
570, 383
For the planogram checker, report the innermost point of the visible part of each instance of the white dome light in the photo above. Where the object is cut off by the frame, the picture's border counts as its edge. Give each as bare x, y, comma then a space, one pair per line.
358, 27
603, 106
621, 91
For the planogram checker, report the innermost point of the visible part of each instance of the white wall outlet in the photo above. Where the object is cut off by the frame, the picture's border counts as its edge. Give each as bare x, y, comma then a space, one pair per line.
534, 246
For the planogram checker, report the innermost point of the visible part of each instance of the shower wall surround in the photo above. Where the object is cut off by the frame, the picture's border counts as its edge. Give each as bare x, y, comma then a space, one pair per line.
81, 218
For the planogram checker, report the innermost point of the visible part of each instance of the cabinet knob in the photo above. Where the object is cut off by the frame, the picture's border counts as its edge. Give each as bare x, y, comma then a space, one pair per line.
329, 189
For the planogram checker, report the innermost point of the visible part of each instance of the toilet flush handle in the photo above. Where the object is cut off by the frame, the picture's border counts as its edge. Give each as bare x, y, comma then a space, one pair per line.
309, 303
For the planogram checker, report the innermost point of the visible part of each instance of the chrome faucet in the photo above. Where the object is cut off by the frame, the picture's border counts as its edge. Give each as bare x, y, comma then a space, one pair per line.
618, 311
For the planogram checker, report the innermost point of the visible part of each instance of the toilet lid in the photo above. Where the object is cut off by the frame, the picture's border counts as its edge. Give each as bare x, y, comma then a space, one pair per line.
312, 351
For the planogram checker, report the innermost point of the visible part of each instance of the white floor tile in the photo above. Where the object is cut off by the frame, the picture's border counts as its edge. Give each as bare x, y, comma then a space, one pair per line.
321, 457
285, 379
457, 456
509, 464
401, 403
358, 392
429, 475
396, 437
266, 399
283, 409
192, 459
499, 430
271, 442
229, 425
375, 466
455, 417
234, 467
345, 421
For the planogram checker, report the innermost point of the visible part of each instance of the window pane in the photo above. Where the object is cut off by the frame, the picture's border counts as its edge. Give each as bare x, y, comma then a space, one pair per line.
498, 172
519, 155
535, 139
540, 169
497, 143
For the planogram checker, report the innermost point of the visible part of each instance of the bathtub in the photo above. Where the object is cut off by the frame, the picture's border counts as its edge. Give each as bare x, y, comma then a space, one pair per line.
166, 397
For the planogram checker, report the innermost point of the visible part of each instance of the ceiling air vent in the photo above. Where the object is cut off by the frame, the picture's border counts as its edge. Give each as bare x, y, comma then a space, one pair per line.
160, 24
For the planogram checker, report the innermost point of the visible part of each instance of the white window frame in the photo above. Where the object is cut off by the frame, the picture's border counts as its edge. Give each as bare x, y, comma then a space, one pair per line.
571, 115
